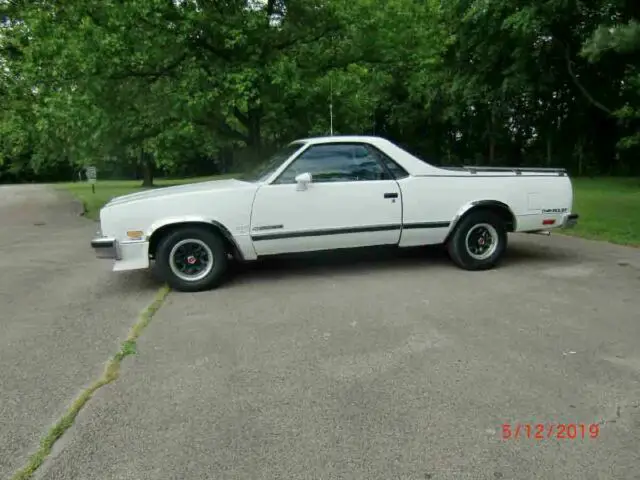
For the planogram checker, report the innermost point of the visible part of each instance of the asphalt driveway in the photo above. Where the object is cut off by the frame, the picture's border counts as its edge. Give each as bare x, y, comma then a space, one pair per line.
62, 314
367, 367
378, 368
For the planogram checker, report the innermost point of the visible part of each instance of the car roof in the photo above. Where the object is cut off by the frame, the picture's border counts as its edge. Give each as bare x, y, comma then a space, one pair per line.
344, 139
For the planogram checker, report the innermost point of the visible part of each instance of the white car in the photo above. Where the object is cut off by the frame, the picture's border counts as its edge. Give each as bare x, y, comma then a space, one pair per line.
330, 193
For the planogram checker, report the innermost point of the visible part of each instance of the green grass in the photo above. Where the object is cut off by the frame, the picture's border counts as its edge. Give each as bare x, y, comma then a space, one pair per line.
107, 189
609, 208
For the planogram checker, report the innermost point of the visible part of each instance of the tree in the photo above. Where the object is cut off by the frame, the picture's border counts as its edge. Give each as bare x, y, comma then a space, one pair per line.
622, 42
163, 83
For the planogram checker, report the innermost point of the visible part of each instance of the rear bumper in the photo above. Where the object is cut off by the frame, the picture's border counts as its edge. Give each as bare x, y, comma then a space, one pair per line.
105, 247
569, 220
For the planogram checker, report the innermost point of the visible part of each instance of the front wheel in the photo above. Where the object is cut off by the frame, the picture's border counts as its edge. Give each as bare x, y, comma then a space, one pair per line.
191, 259
478, 242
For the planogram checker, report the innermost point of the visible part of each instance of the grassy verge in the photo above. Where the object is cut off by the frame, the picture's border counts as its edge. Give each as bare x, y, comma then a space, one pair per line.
609, 209
107, 189
111, 373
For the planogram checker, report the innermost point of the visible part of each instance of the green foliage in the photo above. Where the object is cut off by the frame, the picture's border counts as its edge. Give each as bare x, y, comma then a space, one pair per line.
622, 41
152, 85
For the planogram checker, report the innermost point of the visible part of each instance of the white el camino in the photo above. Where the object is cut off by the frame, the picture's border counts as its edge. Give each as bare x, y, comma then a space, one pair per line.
330, 193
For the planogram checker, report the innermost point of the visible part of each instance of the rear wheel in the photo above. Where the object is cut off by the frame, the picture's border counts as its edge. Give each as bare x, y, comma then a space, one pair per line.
479, 241
191, 259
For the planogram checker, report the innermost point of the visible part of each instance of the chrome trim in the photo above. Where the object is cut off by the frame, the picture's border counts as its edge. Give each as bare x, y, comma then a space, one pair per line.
569, 220
129, 242
517, 170
106, 247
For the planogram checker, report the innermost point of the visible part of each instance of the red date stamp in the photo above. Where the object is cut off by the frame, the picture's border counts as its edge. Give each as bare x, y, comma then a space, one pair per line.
548, 431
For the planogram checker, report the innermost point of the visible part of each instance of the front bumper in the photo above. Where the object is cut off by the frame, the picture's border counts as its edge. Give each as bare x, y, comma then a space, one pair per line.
569, 220
106, 247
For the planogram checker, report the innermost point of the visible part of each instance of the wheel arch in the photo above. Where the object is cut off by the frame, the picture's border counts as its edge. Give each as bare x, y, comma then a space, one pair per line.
495, 206
159, 231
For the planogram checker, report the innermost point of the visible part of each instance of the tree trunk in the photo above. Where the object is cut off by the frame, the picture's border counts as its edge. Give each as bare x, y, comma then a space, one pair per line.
580, 157
146, 162
254, 134
226, 160
255, 130
492, 138
549, 159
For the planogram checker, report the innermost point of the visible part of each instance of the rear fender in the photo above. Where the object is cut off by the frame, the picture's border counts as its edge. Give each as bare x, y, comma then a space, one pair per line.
476, 204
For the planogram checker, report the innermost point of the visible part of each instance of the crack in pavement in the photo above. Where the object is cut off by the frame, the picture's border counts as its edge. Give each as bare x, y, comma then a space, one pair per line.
111, 373
618, 415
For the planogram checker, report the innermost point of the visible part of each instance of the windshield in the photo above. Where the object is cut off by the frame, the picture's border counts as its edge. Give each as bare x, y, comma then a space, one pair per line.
266, 168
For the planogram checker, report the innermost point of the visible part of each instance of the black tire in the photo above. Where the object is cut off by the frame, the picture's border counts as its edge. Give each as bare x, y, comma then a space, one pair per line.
461, 249
205, 246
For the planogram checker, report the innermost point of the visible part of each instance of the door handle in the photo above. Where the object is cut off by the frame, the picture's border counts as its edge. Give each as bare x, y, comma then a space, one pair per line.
390, 195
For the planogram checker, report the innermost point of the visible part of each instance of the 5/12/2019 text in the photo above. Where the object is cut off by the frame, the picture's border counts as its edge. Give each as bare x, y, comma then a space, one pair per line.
548, 431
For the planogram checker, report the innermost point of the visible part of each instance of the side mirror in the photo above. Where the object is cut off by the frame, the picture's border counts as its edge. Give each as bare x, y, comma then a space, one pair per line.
303, 180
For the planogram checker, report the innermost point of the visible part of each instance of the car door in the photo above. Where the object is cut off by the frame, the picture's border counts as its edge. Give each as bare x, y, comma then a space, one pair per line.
352, 200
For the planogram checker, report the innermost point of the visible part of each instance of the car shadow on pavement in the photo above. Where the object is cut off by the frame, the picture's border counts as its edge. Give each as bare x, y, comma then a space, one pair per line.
136, 280
520, 255
348, 262
387, 260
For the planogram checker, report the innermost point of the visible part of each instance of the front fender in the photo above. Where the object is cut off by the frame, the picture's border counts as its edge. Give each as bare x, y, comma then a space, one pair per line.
241, 246
175, 220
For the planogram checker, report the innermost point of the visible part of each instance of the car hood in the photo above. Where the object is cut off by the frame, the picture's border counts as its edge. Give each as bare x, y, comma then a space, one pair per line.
227, 184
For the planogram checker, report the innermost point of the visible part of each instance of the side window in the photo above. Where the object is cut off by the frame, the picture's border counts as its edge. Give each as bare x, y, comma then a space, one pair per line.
335, 163
396, 170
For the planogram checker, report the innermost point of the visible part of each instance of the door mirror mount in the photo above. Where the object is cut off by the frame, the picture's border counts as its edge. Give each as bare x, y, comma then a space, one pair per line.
303, 180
